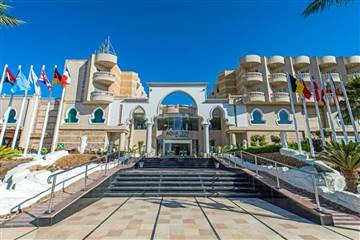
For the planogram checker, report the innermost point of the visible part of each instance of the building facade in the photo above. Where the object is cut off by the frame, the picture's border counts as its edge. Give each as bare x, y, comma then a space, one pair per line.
109, 107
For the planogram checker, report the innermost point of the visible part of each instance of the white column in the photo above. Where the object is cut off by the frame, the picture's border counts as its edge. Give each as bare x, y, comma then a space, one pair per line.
149, 126
43, 131
232, 138
16, 134
206, 139
122, 141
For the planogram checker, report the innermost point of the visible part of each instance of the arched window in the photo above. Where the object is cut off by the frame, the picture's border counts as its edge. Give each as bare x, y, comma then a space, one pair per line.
71, 116
284, 117
139, 118
98, 116
257, 117
12, 115
215, 121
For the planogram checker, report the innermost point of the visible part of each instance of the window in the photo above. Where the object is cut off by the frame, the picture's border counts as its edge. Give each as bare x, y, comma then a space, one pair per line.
71, 116
139, 121
284, 117
257, 117
98, 116
12, 115
215, 121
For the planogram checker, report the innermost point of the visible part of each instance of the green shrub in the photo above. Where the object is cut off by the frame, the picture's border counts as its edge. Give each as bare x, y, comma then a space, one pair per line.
257, 140
263, 149
275, 139
45, 150
305, 145
7, 153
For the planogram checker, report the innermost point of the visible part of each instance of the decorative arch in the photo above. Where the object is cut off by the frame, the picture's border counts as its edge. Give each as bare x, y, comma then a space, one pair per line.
71, 116
257, 117
216, 116
138, 117
97, 116
12, 116
177, 91
283, 117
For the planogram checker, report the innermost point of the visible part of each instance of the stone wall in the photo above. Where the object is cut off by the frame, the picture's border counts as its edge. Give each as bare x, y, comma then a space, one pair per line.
96, 139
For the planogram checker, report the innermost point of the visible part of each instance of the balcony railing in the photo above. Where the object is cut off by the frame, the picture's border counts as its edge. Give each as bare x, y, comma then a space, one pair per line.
252, 77
280, 97
335, 76
278, 78
304, 76
104, 78
102, 96
254, 97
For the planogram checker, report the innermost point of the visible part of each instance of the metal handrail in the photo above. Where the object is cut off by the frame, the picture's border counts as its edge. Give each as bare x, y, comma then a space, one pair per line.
276, 163
52, 178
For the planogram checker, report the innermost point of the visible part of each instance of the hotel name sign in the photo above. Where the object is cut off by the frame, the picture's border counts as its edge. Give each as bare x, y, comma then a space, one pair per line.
178, 133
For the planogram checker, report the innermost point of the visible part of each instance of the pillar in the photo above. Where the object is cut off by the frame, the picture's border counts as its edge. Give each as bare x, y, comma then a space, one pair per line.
149, 126
232, 138
122, 141
206, 139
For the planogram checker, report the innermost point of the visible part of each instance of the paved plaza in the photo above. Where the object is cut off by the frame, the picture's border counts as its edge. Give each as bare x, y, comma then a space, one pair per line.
182, 218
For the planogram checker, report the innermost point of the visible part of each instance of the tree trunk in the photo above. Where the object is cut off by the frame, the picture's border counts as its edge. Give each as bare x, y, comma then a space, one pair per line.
351, 178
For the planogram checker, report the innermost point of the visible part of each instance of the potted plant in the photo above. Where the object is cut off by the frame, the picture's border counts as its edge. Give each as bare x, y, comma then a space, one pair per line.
346, 156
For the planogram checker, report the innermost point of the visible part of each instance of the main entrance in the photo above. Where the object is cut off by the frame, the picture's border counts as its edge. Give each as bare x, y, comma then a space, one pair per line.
177, 148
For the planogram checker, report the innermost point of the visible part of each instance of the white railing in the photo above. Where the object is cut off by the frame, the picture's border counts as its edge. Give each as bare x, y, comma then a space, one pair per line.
231, 161
101, 93
255, 94
280, 95
103, 73
252, 75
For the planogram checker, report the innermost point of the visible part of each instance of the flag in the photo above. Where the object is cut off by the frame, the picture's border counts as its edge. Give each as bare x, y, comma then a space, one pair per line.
66, 78
57, 77
296, 85
337, 91
33, 79
316, 90
21, 83
307, 94
9, 77
44, 79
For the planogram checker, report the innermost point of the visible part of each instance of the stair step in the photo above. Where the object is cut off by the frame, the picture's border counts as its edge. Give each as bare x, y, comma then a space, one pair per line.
179, 188
128, 183
120, 178
183, 194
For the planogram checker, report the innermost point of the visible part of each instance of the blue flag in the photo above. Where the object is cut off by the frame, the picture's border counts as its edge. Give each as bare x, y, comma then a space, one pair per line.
22, 83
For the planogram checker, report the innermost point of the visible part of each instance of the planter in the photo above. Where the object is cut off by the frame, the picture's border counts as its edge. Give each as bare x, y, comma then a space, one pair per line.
141, 164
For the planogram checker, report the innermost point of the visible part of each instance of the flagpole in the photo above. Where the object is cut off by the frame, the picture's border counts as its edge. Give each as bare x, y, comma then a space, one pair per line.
1, 85
326, 99
293, 113
45, 122
312, 152
20, 116
33, 116
343, 89
321, 128
6, 117
58, 120
332, 85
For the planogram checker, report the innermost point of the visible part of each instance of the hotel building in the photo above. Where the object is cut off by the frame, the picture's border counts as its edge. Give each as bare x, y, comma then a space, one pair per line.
109, 106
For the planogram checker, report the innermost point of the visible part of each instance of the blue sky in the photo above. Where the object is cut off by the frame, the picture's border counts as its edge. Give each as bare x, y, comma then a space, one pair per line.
172, 41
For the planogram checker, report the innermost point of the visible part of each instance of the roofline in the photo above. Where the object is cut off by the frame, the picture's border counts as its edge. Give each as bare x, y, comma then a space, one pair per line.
175, 84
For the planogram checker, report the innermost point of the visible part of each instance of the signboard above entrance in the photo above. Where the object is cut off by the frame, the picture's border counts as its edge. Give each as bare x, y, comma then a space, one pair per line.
178, 133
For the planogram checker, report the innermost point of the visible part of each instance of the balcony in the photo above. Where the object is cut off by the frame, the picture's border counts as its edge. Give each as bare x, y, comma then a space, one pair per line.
254, 97
276, 61
304, 76
278, 78
252, 78
280, 97
335, 77
106, 60
327, 61
301, 61
250, 60
104, 78
353, 61
102, 97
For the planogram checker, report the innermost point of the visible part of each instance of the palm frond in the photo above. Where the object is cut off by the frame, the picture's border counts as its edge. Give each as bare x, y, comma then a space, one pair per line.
3, 6
319, 5
6, 20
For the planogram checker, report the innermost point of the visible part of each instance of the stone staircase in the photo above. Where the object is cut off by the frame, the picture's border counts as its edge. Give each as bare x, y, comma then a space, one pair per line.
179, 177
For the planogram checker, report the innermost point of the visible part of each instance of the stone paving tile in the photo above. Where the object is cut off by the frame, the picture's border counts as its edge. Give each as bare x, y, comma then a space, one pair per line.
181, 218
233, 223
13, 233
79, 224
287, 224
135, 220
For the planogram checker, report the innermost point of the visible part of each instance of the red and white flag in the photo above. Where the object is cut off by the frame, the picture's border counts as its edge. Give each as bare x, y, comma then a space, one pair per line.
9, 77
66, 78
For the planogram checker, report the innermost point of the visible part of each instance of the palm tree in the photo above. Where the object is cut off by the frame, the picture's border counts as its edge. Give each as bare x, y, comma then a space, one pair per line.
7, 20
7, 153
319, 5
347, 158
353, 93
